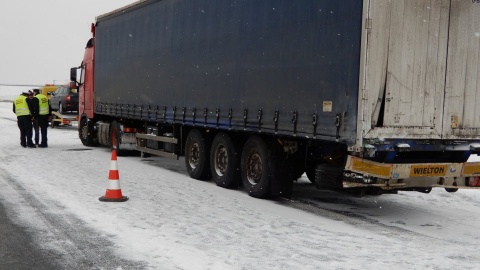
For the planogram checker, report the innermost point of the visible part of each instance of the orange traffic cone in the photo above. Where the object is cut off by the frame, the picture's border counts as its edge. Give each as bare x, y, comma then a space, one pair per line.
114, 192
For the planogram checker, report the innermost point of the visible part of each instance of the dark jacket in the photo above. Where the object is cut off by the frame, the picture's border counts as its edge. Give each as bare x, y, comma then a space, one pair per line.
33, 106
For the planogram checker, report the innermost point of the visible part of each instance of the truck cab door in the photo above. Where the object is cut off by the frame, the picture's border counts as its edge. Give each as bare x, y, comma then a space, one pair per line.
86, 89
87, 77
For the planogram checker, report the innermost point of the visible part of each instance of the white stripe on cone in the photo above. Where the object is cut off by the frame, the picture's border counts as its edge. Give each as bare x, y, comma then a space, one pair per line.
113, 165
113, 184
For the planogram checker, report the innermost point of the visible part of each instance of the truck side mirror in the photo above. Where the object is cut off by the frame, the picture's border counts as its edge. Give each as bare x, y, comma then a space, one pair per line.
73, 74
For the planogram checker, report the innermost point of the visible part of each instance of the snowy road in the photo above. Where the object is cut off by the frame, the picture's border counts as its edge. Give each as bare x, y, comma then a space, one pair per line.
61, 237
174, 222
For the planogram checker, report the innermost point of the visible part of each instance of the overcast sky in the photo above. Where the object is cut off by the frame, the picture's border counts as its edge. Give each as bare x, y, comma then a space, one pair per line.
41, 40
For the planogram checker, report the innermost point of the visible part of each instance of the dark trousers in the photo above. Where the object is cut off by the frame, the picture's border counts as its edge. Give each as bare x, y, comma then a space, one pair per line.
25, 126
42, 124
36, 131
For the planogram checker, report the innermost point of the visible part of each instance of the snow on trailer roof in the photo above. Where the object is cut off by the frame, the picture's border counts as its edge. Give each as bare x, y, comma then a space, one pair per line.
123, 9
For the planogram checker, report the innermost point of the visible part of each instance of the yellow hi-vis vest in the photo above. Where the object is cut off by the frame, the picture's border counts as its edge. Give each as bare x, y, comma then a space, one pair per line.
21, 106
42, 104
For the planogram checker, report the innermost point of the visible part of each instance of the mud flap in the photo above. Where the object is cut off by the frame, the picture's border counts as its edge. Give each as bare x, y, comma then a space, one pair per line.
281, 178
327, 176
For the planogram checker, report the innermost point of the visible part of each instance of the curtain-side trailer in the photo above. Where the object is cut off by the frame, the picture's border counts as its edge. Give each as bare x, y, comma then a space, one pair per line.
369, 96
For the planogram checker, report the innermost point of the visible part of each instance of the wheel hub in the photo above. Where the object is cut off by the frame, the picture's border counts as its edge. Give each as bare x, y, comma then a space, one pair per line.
85, 132
221, 160
254, 168
194, 155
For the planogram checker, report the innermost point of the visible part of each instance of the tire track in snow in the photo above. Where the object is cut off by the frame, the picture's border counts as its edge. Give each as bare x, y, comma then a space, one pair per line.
63, 236
357, 220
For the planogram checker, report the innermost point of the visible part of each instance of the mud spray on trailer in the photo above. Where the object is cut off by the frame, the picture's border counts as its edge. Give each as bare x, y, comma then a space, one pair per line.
367, 96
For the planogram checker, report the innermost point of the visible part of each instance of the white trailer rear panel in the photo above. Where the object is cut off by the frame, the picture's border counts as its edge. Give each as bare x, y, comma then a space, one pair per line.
420, 61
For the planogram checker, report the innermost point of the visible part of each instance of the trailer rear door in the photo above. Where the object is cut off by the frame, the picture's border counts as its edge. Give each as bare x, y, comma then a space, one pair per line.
462, 90
421, 61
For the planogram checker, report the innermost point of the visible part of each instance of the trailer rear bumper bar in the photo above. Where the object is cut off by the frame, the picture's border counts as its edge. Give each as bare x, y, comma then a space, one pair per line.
361, 172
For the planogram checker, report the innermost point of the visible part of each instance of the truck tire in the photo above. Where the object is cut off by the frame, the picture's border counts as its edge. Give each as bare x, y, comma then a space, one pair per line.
85, 133
197, 157
451, 190
225, 161
255, 168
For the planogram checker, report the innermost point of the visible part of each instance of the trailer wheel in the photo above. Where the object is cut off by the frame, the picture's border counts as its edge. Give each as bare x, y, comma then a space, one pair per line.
197, 155
85, 133
255, 168
451, 190
225, 161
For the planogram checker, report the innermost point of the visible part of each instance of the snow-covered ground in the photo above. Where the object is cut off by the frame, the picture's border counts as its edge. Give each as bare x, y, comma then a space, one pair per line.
173, 222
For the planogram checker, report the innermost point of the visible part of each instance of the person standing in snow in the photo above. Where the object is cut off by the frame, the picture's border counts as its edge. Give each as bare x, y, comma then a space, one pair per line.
22, 107
41, 121
34, 111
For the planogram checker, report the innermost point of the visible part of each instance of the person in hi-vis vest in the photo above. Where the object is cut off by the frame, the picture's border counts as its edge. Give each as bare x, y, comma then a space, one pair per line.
22, 108
41, 121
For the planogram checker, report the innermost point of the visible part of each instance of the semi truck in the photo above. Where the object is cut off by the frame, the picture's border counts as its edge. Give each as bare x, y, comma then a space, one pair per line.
368, 97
